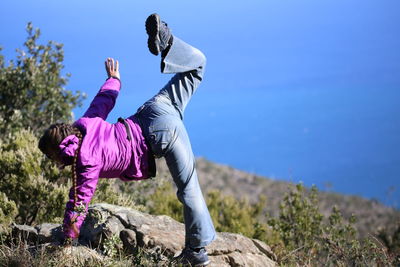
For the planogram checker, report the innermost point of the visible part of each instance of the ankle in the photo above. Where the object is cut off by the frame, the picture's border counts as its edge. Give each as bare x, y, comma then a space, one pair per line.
165, 51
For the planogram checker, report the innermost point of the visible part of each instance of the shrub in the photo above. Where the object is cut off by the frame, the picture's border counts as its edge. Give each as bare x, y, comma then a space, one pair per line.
8, 211
24, 180
236, 216
107, 192
299, 221
164, 201
391, 241
309, 240
32, 93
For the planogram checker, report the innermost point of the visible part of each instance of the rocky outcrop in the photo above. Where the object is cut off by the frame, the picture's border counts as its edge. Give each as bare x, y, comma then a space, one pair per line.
137, 230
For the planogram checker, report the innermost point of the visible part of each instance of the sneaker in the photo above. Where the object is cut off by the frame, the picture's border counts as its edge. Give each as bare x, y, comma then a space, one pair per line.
189, 257
159, 34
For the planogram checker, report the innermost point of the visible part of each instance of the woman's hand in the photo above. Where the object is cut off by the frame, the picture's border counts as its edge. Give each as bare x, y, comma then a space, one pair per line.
112, 68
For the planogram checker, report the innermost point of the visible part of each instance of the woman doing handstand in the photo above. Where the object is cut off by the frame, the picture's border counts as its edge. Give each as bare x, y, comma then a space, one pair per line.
126, 149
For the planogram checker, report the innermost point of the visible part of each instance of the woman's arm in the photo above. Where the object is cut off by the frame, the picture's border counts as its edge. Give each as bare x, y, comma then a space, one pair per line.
75, 213
105, 99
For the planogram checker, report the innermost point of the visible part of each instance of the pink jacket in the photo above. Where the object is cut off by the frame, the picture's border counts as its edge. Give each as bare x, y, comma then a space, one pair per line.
105, 152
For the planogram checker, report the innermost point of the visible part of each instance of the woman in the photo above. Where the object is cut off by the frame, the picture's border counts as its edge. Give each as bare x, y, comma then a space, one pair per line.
96, 148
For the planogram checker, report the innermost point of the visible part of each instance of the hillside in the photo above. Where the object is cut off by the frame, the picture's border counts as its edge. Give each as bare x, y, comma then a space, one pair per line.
371, 215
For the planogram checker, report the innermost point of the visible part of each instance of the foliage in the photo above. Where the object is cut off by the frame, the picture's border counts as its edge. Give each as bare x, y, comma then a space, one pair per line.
8, 210
236, 216
142, 193
106, 192
307, 239
299, 221
32, 93
391, 241
164, 201
24, 180
112, 245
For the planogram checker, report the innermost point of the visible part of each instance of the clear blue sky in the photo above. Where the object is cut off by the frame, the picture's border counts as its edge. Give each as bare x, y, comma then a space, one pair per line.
296, 90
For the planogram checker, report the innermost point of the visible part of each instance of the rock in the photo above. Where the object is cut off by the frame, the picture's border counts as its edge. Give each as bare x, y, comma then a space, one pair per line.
24, 232
151, 231
128, 238
49, 232
99, 225
158, 234
265, 249
240, 251
167, 234
40, 234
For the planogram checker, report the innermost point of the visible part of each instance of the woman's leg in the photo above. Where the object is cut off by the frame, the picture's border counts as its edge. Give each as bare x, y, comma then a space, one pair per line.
182, 165
161, 121
168, 138
188, 64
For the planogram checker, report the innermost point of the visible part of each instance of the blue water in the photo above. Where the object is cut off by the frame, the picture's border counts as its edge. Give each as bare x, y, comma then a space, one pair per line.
344, 140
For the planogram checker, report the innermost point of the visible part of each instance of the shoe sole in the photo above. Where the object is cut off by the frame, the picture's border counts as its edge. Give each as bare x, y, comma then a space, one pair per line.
152, 29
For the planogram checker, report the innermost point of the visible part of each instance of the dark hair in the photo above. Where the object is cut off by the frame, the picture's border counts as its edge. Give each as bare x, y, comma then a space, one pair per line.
50, 141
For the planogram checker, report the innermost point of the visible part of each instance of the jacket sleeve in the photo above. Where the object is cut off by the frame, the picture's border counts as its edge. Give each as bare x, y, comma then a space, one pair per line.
105, 99
75, 213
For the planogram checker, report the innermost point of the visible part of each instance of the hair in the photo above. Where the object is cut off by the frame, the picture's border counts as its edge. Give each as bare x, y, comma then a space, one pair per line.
49, 145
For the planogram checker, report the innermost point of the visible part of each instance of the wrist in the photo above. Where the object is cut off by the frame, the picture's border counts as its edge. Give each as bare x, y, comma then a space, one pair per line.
114, 77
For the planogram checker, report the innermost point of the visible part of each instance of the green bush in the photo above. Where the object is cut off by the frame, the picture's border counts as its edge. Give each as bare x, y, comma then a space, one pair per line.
236, 216
299, 221
107, 192
32, 93
8, 211
164, 201
311, 240
391, 241
24, 180
32, 96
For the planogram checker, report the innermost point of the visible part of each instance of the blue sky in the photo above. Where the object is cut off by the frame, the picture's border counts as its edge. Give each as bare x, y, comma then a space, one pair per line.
296, 90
